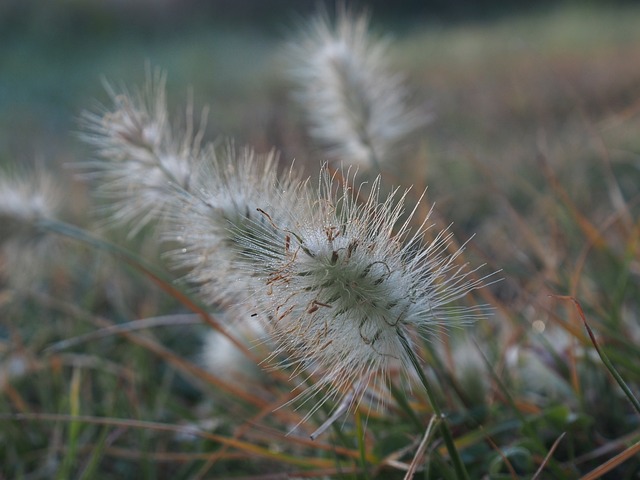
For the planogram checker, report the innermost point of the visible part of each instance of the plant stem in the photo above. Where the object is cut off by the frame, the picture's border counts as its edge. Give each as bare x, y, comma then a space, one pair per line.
461, 472
603, 356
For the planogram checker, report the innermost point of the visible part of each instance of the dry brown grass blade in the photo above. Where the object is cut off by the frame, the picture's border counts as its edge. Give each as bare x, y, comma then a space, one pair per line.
185, 366
260, 432
142, 324
613, 463
575, 278
214, 457
194, 307
393, 459
421, 449
249, 448
275, 435
165, 457
158, 277
182, 457
15, 398
167, 355
529, 236
594, 239
588, 229
505, 459
109, 421
336, 472
608, 448
195, 371
633, 237
615, 193
548, 456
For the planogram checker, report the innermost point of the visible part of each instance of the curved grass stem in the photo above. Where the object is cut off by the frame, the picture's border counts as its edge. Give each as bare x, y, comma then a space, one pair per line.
461, 472
603, 356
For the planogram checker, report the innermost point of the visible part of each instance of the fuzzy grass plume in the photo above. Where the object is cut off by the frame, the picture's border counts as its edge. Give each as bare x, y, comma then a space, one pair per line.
140, 155
356, 107
209, 221
337, 277
27, 199
349, 280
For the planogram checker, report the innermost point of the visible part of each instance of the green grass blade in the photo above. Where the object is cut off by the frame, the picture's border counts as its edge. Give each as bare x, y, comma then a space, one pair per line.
74, 426
458, 465
91, 469
607, 363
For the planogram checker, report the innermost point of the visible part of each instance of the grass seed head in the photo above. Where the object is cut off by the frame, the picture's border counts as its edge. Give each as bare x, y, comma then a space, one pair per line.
140, 155
350, 282
356, 107
222, 206
26, 202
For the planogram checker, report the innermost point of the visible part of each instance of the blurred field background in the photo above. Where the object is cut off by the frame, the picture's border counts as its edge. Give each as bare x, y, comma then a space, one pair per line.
533, 146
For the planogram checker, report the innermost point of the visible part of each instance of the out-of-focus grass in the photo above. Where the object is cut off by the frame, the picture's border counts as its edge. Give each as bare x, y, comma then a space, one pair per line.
534, 146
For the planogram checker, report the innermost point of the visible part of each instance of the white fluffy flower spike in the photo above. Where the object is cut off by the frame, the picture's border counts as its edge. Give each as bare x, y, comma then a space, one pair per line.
355, 106
352, 282
140, 157
221, 208
26, 202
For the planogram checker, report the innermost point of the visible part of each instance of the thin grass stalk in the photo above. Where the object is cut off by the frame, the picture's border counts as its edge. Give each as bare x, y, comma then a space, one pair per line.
402, 402
244, 446
458, 465
443, 468
527, 427
90, 469
157, 276
613, 463
14, 398
362, 444
590, 231
421, 449
254, 426
548, 457
603, 356
142, 324
339, 411
189, 369
484, 434
74, 426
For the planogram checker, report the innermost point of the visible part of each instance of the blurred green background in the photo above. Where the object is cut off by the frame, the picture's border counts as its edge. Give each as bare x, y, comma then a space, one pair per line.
53, 54
499, 83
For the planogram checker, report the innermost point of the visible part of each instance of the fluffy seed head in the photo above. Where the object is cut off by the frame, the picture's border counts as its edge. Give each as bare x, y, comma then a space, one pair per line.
221, 207
351, 281
355, 106
139, 155
26, 201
